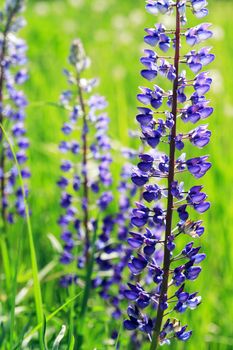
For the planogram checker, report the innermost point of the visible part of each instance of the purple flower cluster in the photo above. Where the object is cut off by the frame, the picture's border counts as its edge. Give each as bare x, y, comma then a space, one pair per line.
162, 216
85, 164
12, 111
113, 252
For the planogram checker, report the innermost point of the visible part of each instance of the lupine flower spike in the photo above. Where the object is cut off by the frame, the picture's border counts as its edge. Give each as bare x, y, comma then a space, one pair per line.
85, 165
12, 110
113, 252
160, 175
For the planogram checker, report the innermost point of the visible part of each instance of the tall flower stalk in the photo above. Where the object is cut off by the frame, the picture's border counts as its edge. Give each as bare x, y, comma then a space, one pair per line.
86, 174
12, 115
182, 106
12, 110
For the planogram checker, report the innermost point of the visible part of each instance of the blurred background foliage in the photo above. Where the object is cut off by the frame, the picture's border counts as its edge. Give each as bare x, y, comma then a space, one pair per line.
112, 32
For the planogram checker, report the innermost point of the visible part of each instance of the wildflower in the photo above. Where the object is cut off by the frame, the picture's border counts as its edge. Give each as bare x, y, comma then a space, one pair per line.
153, 223
85, 165
12, 111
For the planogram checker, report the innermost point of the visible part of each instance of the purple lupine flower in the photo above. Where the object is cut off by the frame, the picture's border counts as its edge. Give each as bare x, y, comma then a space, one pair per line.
12, 111
85, 165
114, 253
153, 221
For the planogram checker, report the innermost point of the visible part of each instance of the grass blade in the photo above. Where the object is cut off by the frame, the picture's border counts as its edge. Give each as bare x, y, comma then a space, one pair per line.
37, 287
48, 318
13, 296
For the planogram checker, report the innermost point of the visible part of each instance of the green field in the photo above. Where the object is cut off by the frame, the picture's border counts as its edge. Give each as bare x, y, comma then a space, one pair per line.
112, 32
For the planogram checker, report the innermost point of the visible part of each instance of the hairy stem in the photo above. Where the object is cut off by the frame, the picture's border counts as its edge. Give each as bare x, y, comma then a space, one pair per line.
2, 158
84, 162
166, 261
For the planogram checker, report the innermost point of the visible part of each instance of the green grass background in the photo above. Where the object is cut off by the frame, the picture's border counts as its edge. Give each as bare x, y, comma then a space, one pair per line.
112, 31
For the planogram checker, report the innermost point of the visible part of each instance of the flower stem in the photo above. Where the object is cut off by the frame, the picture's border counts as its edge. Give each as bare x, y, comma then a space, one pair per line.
84, 162
2, 158
166, 261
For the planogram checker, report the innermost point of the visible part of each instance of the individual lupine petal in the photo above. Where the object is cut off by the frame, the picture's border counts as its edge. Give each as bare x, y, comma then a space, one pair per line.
162, 6
178, 276
66, 166
164, 42
138, 294
145, 96
64, 146
171, 73
189, 251
137, 264
104, 200
180, 307
66, 200
202, 207
198, 4
196, 112
181, 295
177, 190
198, 258
145, 116
167, 70
67, 128
199, 8
131, 324
196, 60
66, 281
158, 215
181, 95
149, 74
171, 244
140, 215
199, 33
164, 164
139, 178
192, 272
75, 147
156, 97
205, 57
150, 58
193, 301
182, 335
202, 83
23, 143
198, 166
136, 241
149, 250
200, 136
146, 163
169, 120
152, 193
152, 38
152, 137
21, 76
195, 196
183, 214
130, 294
179, 142
66, 258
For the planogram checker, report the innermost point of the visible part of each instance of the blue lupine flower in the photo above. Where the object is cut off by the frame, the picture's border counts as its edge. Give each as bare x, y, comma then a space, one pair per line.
12, 110
75, 222
153, 224
198, 34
